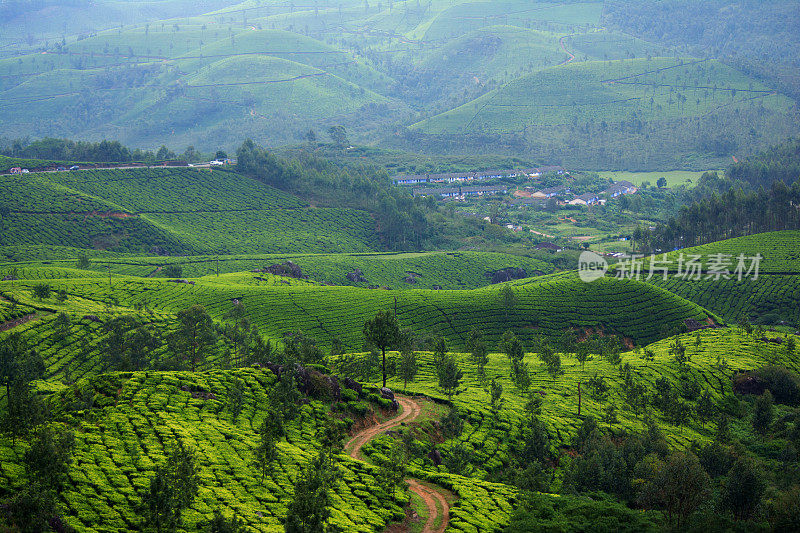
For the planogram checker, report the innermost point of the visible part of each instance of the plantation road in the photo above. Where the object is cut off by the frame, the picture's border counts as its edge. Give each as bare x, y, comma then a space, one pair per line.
435, 502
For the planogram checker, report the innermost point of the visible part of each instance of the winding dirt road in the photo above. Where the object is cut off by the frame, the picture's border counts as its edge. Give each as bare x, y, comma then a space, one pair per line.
432, 498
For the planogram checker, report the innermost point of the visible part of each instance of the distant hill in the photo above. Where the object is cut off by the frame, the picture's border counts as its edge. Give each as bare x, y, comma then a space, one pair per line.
435, 78
640, 89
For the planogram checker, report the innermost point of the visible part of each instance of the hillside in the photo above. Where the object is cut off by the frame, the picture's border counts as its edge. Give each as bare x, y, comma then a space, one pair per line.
516, 78
770, 299
397, 271
642, 88
542, 307
126, 433
172, 210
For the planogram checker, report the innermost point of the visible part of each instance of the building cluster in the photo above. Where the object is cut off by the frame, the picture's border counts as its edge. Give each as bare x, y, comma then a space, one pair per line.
457, 177
562, 193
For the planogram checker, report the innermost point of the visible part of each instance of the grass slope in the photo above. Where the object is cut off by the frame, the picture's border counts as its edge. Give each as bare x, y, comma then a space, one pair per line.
637, 311
126, 422
178, 210
651, 89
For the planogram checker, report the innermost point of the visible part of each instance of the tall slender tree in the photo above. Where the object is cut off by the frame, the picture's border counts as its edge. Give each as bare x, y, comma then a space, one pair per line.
383, 332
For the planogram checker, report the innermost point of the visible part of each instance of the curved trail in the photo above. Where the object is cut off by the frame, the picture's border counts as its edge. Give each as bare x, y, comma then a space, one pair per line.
431, 497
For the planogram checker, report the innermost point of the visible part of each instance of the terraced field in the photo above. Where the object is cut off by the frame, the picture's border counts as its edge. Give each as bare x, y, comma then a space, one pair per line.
126, 422
772, 297
176, 210
653, 89
398, 271
547, 307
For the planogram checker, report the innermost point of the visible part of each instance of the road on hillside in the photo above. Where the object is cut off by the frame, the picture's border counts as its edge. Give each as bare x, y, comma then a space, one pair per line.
431, 497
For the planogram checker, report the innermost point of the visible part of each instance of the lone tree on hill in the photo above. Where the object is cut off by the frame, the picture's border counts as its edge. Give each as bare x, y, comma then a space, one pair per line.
382, 332
508, 299
308, 512
450, 375
172, 489
194, 336
270, 431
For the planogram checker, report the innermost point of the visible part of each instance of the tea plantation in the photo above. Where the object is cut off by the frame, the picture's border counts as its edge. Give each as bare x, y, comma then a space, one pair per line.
126, 423
397, 271
175, 210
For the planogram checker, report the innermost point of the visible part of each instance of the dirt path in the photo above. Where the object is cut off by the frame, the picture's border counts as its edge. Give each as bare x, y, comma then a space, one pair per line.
564, 47
411, 410
5, 326
431, 497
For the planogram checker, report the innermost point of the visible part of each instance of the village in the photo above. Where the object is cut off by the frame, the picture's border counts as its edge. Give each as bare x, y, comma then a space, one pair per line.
442, 187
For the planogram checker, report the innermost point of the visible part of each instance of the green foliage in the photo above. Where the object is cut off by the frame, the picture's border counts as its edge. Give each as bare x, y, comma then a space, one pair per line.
743, 489
764, 413
308, 512
541, 512
33, 508
42, 291
407, 369
48, 460
679, 487
383, 332
195, 335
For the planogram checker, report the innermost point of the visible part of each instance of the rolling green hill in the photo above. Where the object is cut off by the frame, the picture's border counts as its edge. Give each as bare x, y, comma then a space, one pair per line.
446, 270
654, 89
543, 306
492, 54
175, 210
770, 299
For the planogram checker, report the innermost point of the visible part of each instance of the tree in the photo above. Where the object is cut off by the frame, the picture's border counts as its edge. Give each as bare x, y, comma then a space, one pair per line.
270, 431
195, 335
172, 488
382, 332
42, 291
220, 524
705, 408
221, 155
338, 135
508, 299
33, 508
142, 342
450, 375
680, 487
408, 366
19, 365
392, 470
661, 182
764, 413
48, 459
479, 352
158, 502
743, 488
678, 351
583, 353
495, 398
308, 510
